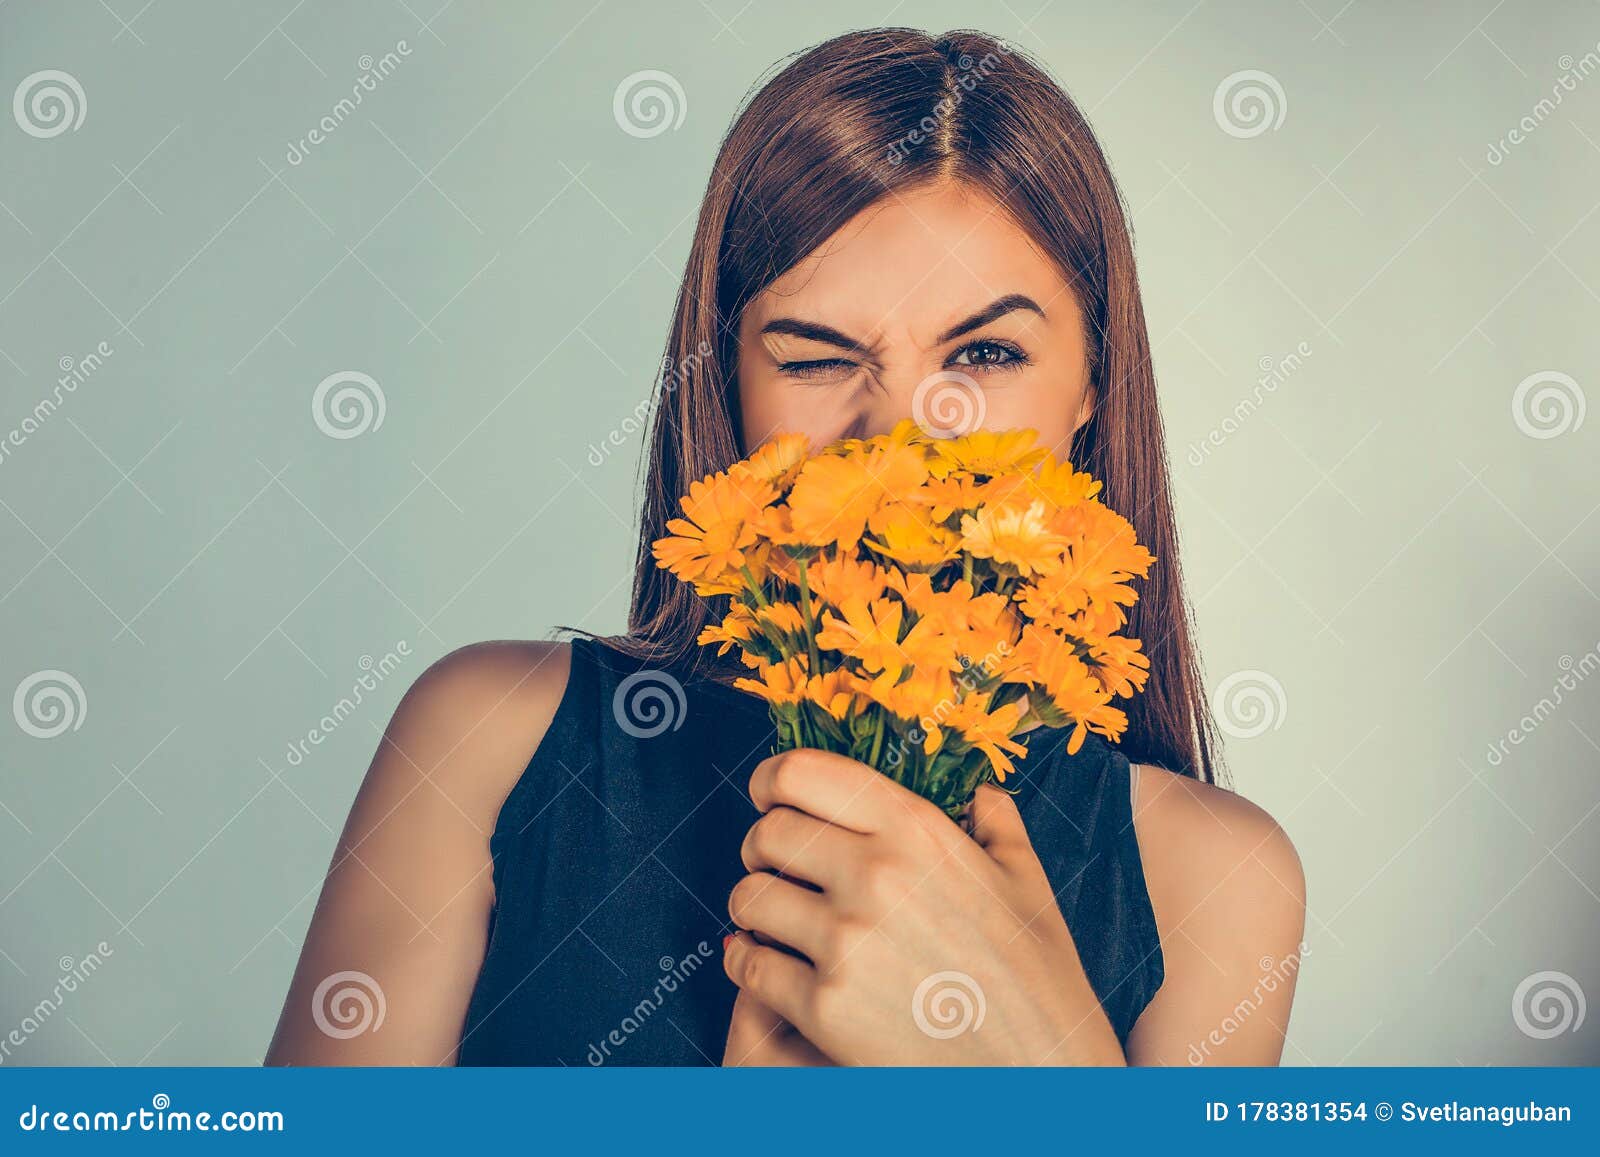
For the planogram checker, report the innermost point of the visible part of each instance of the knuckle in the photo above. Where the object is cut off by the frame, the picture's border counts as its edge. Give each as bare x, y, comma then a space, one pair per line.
742, 898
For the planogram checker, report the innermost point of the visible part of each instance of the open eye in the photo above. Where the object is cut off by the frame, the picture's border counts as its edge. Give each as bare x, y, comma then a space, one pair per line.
818, 368
988, 354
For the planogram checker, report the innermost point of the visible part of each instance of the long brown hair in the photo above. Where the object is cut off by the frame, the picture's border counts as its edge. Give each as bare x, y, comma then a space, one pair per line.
838, 128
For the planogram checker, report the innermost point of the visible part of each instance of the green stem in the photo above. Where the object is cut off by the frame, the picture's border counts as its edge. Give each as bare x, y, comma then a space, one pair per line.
811, 626
755, 588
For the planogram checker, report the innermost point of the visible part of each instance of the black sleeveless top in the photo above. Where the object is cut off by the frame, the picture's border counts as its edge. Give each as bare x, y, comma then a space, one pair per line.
615, 852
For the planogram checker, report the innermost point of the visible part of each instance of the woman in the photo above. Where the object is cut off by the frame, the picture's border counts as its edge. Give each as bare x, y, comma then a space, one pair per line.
534, 874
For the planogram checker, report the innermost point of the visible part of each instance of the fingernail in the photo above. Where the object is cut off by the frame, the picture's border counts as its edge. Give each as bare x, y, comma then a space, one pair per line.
727, 940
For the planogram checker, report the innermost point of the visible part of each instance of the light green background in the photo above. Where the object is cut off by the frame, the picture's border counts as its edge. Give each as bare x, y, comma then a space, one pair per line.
1379, 536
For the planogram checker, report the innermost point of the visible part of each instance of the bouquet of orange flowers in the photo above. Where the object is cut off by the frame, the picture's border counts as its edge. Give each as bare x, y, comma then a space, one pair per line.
916, 602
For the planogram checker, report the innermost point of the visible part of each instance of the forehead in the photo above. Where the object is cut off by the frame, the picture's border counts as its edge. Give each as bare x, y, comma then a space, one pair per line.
915, 259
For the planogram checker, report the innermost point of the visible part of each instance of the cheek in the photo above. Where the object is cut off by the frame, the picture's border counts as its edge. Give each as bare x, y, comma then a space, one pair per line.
768, 407
1050, 408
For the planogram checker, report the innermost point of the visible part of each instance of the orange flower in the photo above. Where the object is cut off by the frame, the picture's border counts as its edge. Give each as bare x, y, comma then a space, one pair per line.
834, 580
905, 535
1013, 537
990, 452
779, 459
834, 496
712, 538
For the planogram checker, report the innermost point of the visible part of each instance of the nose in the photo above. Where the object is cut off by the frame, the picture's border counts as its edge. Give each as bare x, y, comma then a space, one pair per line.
884, 401
943, 400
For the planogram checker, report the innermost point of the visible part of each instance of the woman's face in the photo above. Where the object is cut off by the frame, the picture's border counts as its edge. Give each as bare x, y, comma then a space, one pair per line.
931, 305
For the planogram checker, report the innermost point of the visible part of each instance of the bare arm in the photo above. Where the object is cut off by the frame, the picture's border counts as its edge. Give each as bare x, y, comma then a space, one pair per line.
1229, 900
402, 921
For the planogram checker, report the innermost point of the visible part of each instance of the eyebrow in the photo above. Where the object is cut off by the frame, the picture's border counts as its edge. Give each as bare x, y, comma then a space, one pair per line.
991, 312
813, 331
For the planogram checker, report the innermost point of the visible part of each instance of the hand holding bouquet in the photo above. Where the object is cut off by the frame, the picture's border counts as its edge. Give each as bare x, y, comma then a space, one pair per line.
916, 603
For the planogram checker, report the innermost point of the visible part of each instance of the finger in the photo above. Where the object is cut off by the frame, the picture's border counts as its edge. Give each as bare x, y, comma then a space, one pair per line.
998, 829
782, 982
782, 910
801, 846
836, 788
758, 1037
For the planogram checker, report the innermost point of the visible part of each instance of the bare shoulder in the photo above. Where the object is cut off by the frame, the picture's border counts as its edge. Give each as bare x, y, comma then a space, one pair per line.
1229, 898
407, 901
1210, 853
472, 720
